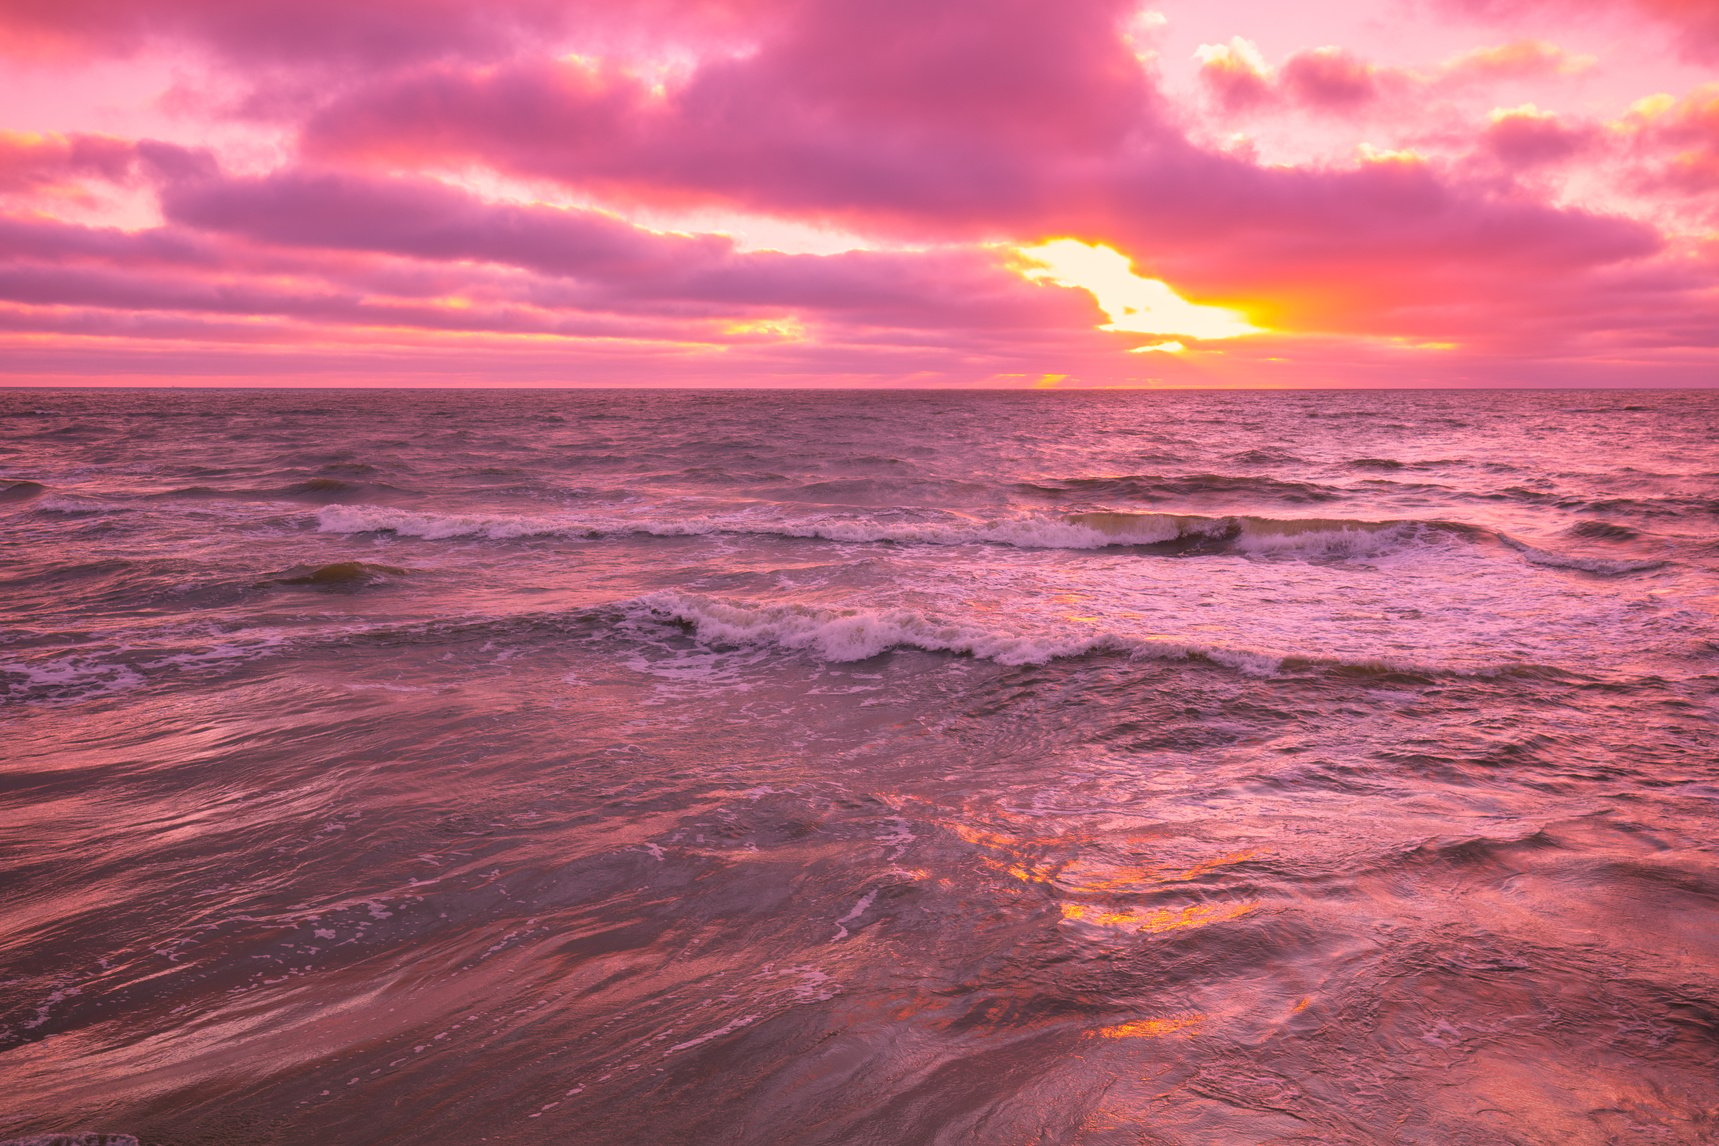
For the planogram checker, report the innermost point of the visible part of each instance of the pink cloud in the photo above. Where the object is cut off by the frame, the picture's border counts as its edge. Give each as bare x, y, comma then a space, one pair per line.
1695, 23
883, 147
334, 33
591, 259
1516, 60
29, 162
424, 219
1237, 75
1525, 137
1329, 78
1336, 81
1680, 139
319, 253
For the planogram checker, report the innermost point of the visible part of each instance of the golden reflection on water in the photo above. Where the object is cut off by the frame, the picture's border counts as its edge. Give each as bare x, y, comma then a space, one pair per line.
1187, 1024
1076, 875
1160, 918
1099, 876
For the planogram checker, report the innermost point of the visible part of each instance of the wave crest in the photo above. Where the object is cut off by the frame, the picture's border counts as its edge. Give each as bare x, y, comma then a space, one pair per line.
1306, 538
845, 635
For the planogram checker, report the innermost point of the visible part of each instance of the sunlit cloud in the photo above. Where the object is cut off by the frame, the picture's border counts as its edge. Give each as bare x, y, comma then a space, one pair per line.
1133, 304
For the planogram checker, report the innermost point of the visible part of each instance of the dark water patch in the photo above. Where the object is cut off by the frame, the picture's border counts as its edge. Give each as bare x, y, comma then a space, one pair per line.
18, 491
337, 575
1264, 457
709, 475
1502, 855
1669, 505
1153, 487
333, 490
320, 490
1391, 465
1326, 775
1396, 486
1603, 531
887, 491
71, 573
90, 588
876, 461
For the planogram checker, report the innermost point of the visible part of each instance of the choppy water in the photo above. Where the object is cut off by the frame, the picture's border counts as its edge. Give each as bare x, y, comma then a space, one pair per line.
442, 768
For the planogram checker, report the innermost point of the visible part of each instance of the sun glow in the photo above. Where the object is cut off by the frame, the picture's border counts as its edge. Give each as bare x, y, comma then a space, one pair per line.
1133, 304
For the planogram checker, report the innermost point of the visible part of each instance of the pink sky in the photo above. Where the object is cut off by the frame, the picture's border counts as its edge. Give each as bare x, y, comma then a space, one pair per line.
860, 192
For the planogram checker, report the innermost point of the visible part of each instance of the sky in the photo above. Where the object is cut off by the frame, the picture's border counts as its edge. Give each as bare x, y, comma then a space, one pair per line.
980, 193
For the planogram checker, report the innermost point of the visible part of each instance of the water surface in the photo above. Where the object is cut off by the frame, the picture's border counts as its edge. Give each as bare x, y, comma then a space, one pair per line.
646, 768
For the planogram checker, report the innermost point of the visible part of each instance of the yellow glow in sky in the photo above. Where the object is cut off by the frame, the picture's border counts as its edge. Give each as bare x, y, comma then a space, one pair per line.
1141, 306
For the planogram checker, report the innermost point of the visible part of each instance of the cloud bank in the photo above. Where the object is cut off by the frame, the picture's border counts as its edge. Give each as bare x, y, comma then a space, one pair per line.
838, 192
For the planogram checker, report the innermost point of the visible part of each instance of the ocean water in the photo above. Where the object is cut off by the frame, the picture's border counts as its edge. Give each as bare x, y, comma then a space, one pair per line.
860, 768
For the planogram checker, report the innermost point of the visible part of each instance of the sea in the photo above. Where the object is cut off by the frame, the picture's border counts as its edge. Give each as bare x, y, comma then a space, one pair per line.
860, 768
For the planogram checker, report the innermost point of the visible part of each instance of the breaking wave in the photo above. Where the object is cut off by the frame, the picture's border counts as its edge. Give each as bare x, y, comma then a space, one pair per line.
1161, 532
845, 635
1306, 539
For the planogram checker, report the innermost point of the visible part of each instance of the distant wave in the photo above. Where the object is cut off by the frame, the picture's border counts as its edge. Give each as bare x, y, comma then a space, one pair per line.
1600, 566
1163, 532
337, 575
1307, 539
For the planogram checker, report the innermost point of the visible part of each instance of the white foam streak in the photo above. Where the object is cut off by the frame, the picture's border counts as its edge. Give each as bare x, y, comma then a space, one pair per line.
67, 678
